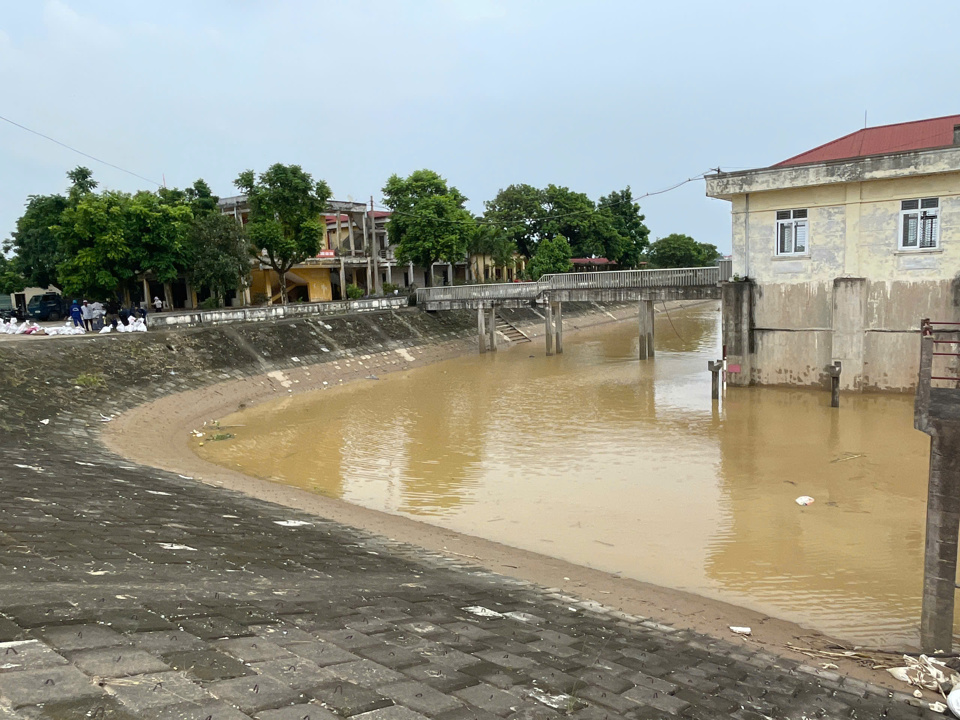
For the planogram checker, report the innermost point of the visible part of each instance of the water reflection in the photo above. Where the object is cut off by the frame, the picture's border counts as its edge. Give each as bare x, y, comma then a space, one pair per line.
597, 458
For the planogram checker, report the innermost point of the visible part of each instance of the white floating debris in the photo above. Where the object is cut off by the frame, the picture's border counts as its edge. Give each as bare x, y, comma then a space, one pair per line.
176, 546
937, 707
740, 630
78, 462
35, 468
557, 702
481, 611
925, 673
45, 421
16, 643
804, 500
158, 492
185, 477
292, 523
953, 701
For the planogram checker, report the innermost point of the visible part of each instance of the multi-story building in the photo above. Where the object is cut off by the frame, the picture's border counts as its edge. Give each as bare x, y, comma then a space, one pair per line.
839, 252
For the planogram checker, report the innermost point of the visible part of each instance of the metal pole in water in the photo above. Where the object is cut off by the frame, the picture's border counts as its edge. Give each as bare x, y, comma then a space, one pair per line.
492, 329
834, 371
480, 329
548, 319
559, 328
714, 367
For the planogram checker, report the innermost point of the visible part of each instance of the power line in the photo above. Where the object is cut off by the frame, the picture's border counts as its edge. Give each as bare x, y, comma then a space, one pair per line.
80, 152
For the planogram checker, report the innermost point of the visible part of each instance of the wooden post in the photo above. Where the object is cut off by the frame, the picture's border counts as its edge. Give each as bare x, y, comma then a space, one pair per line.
548, 318
481, 331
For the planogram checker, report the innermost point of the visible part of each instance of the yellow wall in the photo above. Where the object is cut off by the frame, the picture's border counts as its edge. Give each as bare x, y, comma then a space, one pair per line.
318, 282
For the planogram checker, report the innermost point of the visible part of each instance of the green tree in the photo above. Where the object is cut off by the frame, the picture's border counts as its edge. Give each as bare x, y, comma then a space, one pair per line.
285, 208
677, 251
494, 241
552, 256
35, 242
11, 280
221, 254
632, 237
518, 211
429, 223
158, 234
96, 245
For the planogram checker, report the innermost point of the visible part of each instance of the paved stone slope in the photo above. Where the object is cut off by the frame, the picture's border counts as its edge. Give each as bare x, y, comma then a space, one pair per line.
132, 593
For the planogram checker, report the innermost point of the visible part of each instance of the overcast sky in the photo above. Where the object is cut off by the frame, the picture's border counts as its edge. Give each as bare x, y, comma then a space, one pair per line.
592, 95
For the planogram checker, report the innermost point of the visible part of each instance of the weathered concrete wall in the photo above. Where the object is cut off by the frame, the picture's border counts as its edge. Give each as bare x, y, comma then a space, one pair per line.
872, 327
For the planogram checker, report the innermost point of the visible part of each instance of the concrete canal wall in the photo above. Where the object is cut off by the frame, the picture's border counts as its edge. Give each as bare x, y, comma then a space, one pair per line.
73, 380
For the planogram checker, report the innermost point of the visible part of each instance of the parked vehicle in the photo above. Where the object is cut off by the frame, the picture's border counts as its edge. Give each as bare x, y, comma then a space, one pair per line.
48, 306
7, 308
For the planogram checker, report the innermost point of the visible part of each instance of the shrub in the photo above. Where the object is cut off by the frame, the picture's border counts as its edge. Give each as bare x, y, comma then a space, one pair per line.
354, 292
211, 303
390, 288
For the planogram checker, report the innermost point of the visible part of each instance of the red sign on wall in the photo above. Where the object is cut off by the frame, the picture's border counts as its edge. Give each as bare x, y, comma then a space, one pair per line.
326, 254
733, 368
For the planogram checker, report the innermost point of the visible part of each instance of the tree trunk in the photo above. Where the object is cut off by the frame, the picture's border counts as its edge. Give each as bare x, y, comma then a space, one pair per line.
283, 287
428, 275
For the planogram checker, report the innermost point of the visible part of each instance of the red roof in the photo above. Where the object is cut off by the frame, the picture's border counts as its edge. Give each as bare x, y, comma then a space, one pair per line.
590, 261
881, 140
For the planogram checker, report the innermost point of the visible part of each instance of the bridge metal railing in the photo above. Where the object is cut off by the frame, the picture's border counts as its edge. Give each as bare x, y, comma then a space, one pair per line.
630, 279
602, 280
491, 291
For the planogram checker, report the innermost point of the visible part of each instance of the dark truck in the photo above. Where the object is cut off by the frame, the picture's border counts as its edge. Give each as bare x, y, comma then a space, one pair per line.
48, 306
7, 308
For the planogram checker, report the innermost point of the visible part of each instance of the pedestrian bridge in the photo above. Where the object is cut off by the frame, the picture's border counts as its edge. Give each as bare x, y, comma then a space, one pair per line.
550, 291
617, 285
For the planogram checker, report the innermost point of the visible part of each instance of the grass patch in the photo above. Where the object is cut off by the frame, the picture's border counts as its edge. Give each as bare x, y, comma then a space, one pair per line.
89, 380
222, 436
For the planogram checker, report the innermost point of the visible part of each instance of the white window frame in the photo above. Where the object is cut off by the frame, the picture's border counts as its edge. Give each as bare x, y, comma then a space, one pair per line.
789, 222
925, 214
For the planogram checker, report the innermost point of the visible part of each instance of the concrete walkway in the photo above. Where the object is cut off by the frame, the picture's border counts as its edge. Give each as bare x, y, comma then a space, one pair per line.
132, 593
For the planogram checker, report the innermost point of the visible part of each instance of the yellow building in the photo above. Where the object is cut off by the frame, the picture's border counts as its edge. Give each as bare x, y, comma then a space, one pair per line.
839, 252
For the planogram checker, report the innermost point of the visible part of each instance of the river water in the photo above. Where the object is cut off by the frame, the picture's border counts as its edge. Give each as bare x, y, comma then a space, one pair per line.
627, 466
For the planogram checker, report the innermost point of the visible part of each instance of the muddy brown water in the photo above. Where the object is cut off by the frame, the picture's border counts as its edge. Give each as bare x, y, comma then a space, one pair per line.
626, 466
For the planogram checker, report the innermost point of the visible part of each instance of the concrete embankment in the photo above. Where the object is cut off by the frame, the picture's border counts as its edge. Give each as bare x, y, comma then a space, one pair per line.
280, 612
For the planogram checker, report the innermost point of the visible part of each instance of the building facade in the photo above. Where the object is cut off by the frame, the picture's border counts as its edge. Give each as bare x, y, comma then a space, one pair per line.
839, 252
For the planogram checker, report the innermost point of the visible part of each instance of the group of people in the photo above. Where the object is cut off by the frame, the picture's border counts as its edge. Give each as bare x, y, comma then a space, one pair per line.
93, 316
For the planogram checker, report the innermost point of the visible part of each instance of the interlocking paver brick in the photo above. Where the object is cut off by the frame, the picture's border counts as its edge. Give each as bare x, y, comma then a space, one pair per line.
392, 713
165, 641
28, 655
348, 699
207, 665
209, 710
366, 673
419, 697
117, 662
143, 694
46, 685
298, 673
81, 637
310, 711
256, 692
486, 697
252, 649
101, 707
322, 653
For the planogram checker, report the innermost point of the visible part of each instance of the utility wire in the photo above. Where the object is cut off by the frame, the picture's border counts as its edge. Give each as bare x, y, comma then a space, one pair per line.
80, 152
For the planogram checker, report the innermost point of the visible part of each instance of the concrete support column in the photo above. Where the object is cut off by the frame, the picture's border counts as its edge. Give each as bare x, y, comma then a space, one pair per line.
715, 369
353, 246
646, 329
481, 329
167, 296
413, 280
343, 280
849, 321
146, 294
940, 552
548, 317
492, 328
390, 272
371, 287
450, 274
737, 330
191, 297
268, 287
247, 299
558, 319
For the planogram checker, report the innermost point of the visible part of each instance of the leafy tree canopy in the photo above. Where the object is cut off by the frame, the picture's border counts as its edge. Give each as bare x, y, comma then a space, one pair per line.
34, 242
494, 241
429, 223
11, 280
221, 254
632, 236
552, 256
674, 251
285, 209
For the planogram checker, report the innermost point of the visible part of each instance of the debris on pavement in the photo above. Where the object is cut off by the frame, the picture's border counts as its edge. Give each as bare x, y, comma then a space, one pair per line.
804, 500
740, 630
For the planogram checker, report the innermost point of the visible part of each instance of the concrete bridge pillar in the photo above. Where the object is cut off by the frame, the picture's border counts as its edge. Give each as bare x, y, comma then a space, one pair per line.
492, 328
481, 329
646, 329
548, 319
558, 327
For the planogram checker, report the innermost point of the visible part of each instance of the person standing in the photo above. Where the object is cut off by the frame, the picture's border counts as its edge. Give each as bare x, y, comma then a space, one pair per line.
113, 312
76, 314
97, 313
86, 312
157, 304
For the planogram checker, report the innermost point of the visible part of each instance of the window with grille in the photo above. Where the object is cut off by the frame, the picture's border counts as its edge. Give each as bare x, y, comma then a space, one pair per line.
792, 232
920, 224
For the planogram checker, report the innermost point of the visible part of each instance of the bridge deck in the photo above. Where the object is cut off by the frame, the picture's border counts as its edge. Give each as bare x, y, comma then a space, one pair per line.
584, 286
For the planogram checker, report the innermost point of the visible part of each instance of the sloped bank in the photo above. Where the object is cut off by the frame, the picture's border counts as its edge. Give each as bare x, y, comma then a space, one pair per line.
199, 373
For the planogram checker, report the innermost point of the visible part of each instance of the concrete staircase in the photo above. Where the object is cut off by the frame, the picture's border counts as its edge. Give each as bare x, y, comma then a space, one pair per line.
510, 332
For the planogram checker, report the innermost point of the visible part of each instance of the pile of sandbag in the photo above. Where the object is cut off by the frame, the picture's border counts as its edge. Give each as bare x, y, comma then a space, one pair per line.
133, 325
25, 328
67, 328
